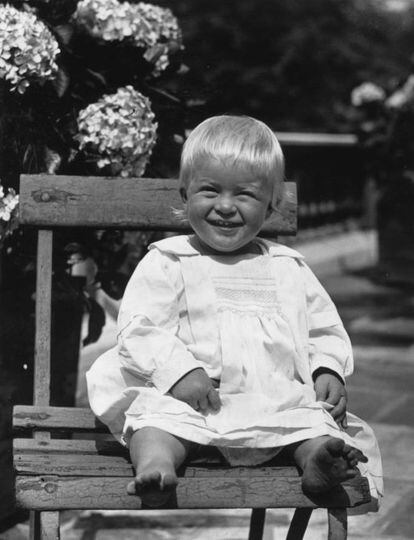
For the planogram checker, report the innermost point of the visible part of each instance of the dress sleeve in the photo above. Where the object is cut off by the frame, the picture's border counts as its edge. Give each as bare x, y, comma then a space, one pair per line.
329, 343
148, 324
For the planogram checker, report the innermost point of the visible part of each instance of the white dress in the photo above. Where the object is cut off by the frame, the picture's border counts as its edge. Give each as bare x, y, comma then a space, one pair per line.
260, 324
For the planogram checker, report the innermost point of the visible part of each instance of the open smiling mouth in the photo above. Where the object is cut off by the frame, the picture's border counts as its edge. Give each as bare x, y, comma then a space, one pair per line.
224, 224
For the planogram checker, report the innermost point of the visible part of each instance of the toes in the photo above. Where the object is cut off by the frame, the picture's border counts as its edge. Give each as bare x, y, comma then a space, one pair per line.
168, 482
143, 482
354, 455
335, 447
362, 457
348, 450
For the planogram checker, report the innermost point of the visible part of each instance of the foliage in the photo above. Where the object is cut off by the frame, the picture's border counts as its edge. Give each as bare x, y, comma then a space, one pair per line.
292, 64
67, 56
86, 87
384, 122
145, 25
120, 131
8, 212
28, 49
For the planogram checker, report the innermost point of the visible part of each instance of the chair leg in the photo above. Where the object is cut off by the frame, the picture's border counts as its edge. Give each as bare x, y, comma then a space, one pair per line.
44, 525
257, 521
34, 525
337, 523
299, 523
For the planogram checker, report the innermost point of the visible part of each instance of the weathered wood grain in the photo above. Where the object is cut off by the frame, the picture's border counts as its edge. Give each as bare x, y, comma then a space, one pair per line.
93, 445
64, 464
53, 492
33, 417
43, 318
143, 203
44, 460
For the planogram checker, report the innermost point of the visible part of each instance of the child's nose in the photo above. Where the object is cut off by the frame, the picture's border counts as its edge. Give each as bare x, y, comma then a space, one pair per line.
225, 204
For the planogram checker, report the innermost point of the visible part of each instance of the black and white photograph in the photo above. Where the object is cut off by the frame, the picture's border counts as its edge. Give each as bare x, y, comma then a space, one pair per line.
206, 269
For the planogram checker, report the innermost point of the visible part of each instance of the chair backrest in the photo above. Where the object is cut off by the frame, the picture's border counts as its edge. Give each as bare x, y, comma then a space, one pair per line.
51, 201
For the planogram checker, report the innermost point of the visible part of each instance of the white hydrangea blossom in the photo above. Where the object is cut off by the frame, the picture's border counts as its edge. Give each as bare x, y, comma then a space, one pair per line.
8, 212
120, 129
366, 92
28, 50
151, 27
402, 97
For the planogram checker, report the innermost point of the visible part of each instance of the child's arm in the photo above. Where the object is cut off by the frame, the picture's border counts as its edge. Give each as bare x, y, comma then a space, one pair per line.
328, 342
330, 351
148, 323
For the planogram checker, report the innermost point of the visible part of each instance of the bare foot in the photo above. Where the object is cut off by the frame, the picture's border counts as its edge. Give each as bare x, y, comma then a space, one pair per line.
327, 462
154, 485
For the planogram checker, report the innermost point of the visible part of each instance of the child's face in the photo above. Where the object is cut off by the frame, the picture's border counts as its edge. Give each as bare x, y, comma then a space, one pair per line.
226, 205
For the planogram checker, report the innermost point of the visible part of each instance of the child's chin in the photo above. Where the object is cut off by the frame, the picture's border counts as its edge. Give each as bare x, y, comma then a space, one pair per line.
233, 249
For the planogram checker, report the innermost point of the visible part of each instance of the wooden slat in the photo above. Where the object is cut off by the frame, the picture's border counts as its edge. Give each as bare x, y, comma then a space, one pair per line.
145, 203
34, 525
43, 318
52, 492
44, 526
44, 459
64, 464
74, 446
29, 417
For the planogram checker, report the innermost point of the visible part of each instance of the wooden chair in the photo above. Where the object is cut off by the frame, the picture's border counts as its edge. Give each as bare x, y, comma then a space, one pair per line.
54, 474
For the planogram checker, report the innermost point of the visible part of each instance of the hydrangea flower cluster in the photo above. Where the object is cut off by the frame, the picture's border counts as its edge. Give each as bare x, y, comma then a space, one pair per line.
384, 123
28, 50
146, 25
404, 96
366, 92
8, 211
120, 129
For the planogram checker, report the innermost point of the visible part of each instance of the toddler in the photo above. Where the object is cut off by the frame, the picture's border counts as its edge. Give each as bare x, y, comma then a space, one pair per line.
227, 339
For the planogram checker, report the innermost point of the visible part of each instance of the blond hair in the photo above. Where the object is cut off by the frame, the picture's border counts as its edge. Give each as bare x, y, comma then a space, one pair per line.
236, 139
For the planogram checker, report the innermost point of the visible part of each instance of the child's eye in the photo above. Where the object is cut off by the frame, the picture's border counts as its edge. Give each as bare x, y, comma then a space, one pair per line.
208, 188
248, 193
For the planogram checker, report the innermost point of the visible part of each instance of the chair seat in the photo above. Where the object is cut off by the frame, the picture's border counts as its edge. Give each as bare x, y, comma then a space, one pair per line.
92, 471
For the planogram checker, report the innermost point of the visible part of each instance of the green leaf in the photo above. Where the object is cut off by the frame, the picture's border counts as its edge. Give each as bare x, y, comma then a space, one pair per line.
97, 76
61, 82
65, 32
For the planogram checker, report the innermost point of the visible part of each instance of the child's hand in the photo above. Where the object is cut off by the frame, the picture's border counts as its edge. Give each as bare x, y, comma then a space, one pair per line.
330, 389
196, 388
